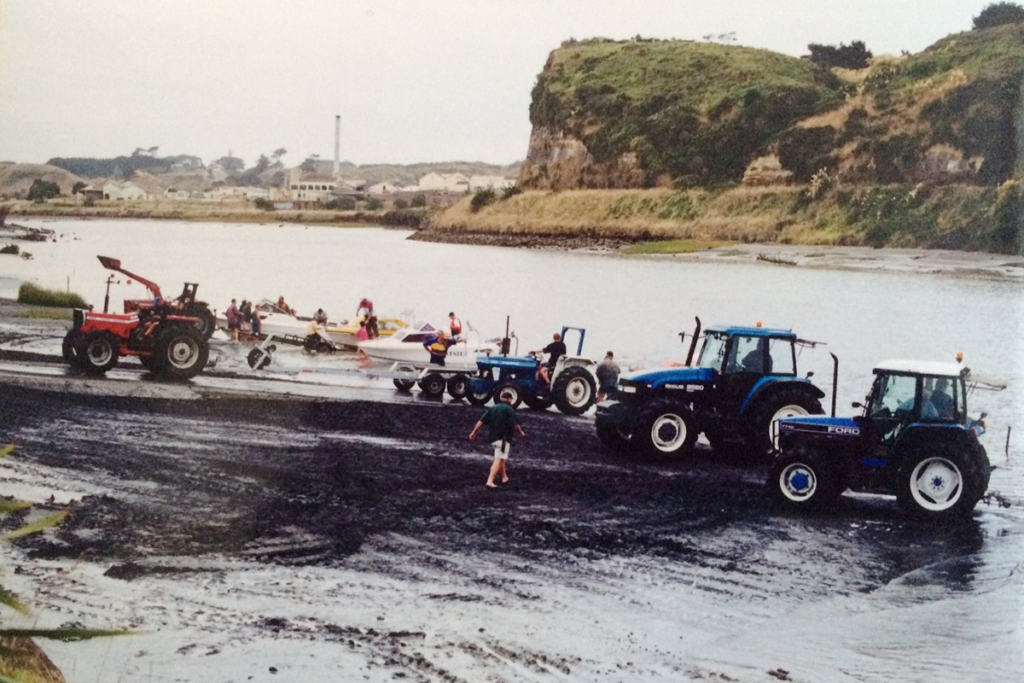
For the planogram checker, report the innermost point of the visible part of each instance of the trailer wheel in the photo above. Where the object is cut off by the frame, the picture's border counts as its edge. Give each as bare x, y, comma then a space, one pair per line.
939, 482
97, 352
458, 387
665, 429
404, 384
257, 357
574, 391
433, 384
181, 352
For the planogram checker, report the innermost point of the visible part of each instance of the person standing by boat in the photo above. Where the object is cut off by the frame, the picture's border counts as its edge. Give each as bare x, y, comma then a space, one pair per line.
320, 317
455, 326
366, 311
438, 346
257, 324
503, 424
362, 335
607, 376
244, 317
234, 319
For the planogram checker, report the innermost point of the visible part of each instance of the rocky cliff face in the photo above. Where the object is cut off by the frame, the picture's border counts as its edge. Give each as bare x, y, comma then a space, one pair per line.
560, 161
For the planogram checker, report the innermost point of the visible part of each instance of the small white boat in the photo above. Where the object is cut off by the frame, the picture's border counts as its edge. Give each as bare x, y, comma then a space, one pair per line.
405, 347
281, 324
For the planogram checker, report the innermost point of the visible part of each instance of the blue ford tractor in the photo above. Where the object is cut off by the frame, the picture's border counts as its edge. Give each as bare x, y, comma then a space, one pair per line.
914, 439
745, 379
572, 388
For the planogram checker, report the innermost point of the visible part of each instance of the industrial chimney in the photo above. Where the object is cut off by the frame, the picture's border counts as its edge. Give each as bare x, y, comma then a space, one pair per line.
337, 144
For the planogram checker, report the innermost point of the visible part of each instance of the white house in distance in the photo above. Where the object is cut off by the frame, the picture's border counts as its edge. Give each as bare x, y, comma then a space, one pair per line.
312, 190
444, 182
495, 182
114, 191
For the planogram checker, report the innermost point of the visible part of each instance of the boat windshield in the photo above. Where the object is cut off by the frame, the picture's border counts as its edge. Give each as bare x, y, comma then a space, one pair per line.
713, 352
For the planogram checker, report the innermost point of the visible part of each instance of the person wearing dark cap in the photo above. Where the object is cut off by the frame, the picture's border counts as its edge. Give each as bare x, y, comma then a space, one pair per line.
503, 424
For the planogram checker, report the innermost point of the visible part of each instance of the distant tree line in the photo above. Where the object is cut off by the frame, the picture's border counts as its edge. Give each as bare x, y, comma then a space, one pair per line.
856, 55
123, 167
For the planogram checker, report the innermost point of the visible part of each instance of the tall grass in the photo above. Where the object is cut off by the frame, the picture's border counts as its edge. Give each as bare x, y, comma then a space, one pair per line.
28, 293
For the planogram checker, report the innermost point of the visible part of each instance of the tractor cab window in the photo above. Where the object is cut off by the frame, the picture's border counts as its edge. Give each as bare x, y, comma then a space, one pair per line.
781, 357
746, 355
894, 396
713, 353
938, 400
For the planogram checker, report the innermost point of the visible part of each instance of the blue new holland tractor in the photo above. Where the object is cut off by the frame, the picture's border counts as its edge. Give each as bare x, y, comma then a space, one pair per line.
745, 379
914, 439
572, 388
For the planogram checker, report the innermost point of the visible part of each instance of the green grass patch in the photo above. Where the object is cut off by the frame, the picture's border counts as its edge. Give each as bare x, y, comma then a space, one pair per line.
49, 313
8, 506
37, 526
9, 599
64, 634
30, 294
6, 450
685, 246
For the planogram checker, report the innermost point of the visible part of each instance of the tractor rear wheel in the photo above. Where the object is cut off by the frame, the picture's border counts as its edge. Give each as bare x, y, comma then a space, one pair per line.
664, 429
458, 387
804, 480
760, 426
97, 352
940, 481
433, 384
574, 391
538, 402
517, 393
206, 323
612, 438
181, 352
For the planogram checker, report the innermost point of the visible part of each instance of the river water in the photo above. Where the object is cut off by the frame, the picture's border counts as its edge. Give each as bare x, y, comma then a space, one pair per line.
635, 306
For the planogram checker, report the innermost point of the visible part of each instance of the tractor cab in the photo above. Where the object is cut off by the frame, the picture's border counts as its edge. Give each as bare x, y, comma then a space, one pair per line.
913, 394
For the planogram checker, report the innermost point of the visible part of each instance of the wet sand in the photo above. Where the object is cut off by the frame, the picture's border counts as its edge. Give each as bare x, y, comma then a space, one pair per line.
239, 529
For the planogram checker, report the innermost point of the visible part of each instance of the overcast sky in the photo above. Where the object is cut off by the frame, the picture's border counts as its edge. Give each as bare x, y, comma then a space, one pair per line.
413, 80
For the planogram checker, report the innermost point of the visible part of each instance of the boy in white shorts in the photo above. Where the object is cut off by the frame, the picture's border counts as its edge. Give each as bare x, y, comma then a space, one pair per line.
503, 425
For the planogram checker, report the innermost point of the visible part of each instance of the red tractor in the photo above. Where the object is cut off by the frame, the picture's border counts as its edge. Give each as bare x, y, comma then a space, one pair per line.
166, 340
187, 303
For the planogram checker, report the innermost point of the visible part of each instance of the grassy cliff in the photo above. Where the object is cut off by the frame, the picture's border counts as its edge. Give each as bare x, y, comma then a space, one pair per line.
685, 114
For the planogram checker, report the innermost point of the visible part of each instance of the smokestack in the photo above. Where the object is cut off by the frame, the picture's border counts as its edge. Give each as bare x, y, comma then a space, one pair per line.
337, 144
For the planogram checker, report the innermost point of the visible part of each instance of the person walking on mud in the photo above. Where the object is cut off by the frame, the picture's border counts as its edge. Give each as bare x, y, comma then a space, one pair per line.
503, 424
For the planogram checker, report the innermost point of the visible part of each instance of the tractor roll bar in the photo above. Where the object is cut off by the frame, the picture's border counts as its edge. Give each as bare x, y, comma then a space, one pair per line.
115, 264
835, 380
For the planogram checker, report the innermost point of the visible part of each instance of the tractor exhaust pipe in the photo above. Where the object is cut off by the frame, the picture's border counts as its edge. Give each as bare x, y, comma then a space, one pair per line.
835, 380
693, 342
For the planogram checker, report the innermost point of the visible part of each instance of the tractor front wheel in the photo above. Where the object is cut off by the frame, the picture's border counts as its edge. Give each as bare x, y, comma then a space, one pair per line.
97, 352
665, 429
511, 387
181, 352
574, 391
940, 482
481, 394
803, 480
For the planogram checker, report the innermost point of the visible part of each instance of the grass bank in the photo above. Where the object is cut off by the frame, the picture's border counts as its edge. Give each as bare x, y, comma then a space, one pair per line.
28, 293
946, 217
228, 212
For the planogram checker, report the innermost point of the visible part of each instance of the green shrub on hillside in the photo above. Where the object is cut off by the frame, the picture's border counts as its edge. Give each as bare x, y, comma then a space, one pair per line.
999, 13
482, 198
805, 151
28, 293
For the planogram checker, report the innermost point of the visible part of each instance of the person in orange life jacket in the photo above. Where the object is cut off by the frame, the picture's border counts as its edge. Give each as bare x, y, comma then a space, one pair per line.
438, 347
455, 325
